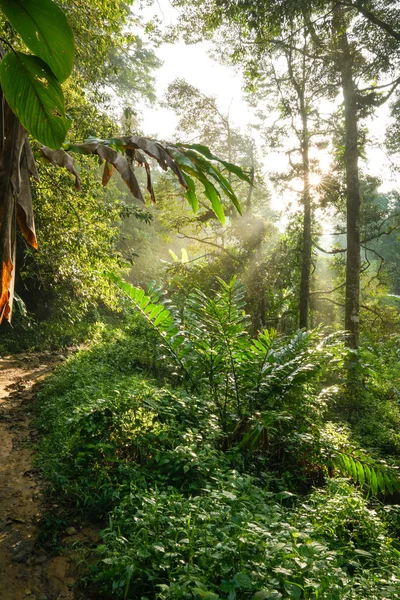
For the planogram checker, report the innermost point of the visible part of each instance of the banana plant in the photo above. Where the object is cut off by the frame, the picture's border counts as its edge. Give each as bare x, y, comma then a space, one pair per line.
32, 102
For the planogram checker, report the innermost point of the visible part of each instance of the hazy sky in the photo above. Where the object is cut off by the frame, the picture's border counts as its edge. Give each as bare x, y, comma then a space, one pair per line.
194, 64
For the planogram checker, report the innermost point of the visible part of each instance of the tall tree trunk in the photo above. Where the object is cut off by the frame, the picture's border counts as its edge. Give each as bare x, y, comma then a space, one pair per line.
307, 234
304, 138
353, 261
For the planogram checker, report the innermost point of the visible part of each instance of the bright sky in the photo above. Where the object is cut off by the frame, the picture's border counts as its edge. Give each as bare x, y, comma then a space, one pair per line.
193, 64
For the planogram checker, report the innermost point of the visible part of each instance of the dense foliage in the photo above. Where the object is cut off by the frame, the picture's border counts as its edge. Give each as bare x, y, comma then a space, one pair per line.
222, 431
203, 482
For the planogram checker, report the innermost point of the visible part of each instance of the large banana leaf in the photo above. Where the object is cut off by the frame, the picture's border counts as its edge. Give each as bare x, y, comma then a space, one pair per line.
35, 96
45, 30
119, 153
184, 162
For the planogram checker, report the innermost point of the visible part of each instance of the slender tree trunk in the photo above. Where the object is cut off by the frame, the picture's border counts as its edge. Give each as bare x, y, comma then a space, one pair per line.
353, 262
307, 233
306, 255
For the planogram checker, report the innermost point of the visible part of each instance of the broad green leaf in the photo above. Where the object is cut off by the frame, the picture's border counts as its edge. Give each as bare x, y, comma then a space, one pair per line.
346, 464
367, 471
381, 481
217, 175
242, 579
35, 96
229, 166
213, 196
363, 552
353, 466
209, 190
190, 195
174, 256
389, 483
204, 594
44, 29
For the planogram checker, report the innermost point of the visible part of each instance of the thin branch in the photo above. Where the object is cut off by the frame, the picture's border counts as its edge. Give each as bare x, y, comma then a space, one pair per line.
333, 302
382, 260
372, 18
200, 241
372, 88
329, 291
336, 251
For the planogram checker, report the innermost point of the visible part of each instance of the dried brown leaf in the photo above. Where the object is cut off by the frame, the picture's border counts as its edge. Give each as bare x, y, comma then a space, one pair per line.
108, 171
60, 158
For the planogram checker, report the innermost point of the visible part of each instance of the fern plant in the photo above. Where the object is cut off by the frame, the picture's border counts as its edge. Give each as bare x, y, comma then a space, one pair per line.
363, 470
209, 345
266, 390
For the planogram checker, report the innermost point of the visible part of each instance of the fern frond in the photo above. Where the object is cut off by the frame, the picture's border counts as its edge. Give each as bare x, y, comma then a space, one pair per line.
379, 479
160, 318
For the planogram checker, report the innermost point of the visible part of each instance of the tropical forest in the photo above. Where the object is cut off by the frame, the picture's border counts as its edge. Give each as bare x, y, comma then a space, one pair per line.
199, 300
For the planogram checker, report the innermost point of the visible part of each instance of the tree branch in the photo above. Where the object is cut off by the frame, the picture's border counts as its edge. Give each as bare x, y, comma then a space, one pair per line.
372, 18
200, 241
336, 251
329, 291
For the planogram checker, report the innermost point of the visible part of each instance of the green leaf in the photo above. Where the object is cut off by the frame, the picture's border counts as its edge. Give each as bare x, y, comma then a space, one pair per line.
367, 471
266, 595
353, 466
229, 166
213, 196
373, 483
363, 553
204, 594
209, 190
204, 165
381, 481
242, 579
45, 30
190, 194
389, 483
35, 96
360, 472
346, 463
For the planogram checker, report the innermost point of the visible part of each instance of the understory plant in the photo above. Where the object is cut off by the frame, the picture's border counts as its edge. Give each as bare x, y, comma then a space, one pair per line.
270, 392
209, 348
185, 517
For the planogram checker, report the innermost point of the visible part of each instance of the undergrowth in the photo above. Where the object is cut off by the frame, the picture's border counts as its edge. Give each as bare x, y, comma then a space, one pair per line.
228, 493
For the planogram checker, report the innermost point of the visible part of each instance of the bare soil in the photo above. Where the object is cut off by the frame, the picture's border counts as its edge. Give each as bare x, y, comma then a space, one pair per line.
26, 571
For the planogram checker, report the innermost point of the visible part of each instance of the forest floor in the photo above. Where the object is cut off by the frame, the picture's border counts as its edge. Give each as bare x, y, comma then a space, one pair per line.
26, 571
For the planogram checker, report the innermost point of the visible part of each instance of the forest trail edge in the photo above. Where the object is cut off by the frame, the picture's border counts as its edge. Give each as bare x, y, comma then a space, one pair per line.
26, 572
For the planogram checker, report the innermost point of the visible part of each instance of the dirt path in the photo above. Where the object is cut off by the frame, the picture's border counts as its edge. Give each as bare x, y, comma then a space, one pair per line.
26, 572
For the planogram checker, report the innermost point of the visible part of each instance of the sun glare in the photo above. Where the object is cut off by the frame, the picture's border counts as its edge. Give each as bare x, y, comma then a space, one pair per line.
315, 179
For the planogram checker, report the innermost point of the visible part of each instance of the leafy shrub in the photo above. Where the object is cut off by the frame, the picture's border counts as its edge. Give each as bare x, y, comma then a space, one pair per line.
377, 421
236, 541
208, 344
203, 503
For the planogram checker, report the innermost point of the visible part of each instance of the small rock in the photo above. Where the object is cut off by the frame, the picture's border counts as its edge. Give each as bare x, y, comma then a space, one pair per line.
40, 560
71, 531
3, 525
22, 551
